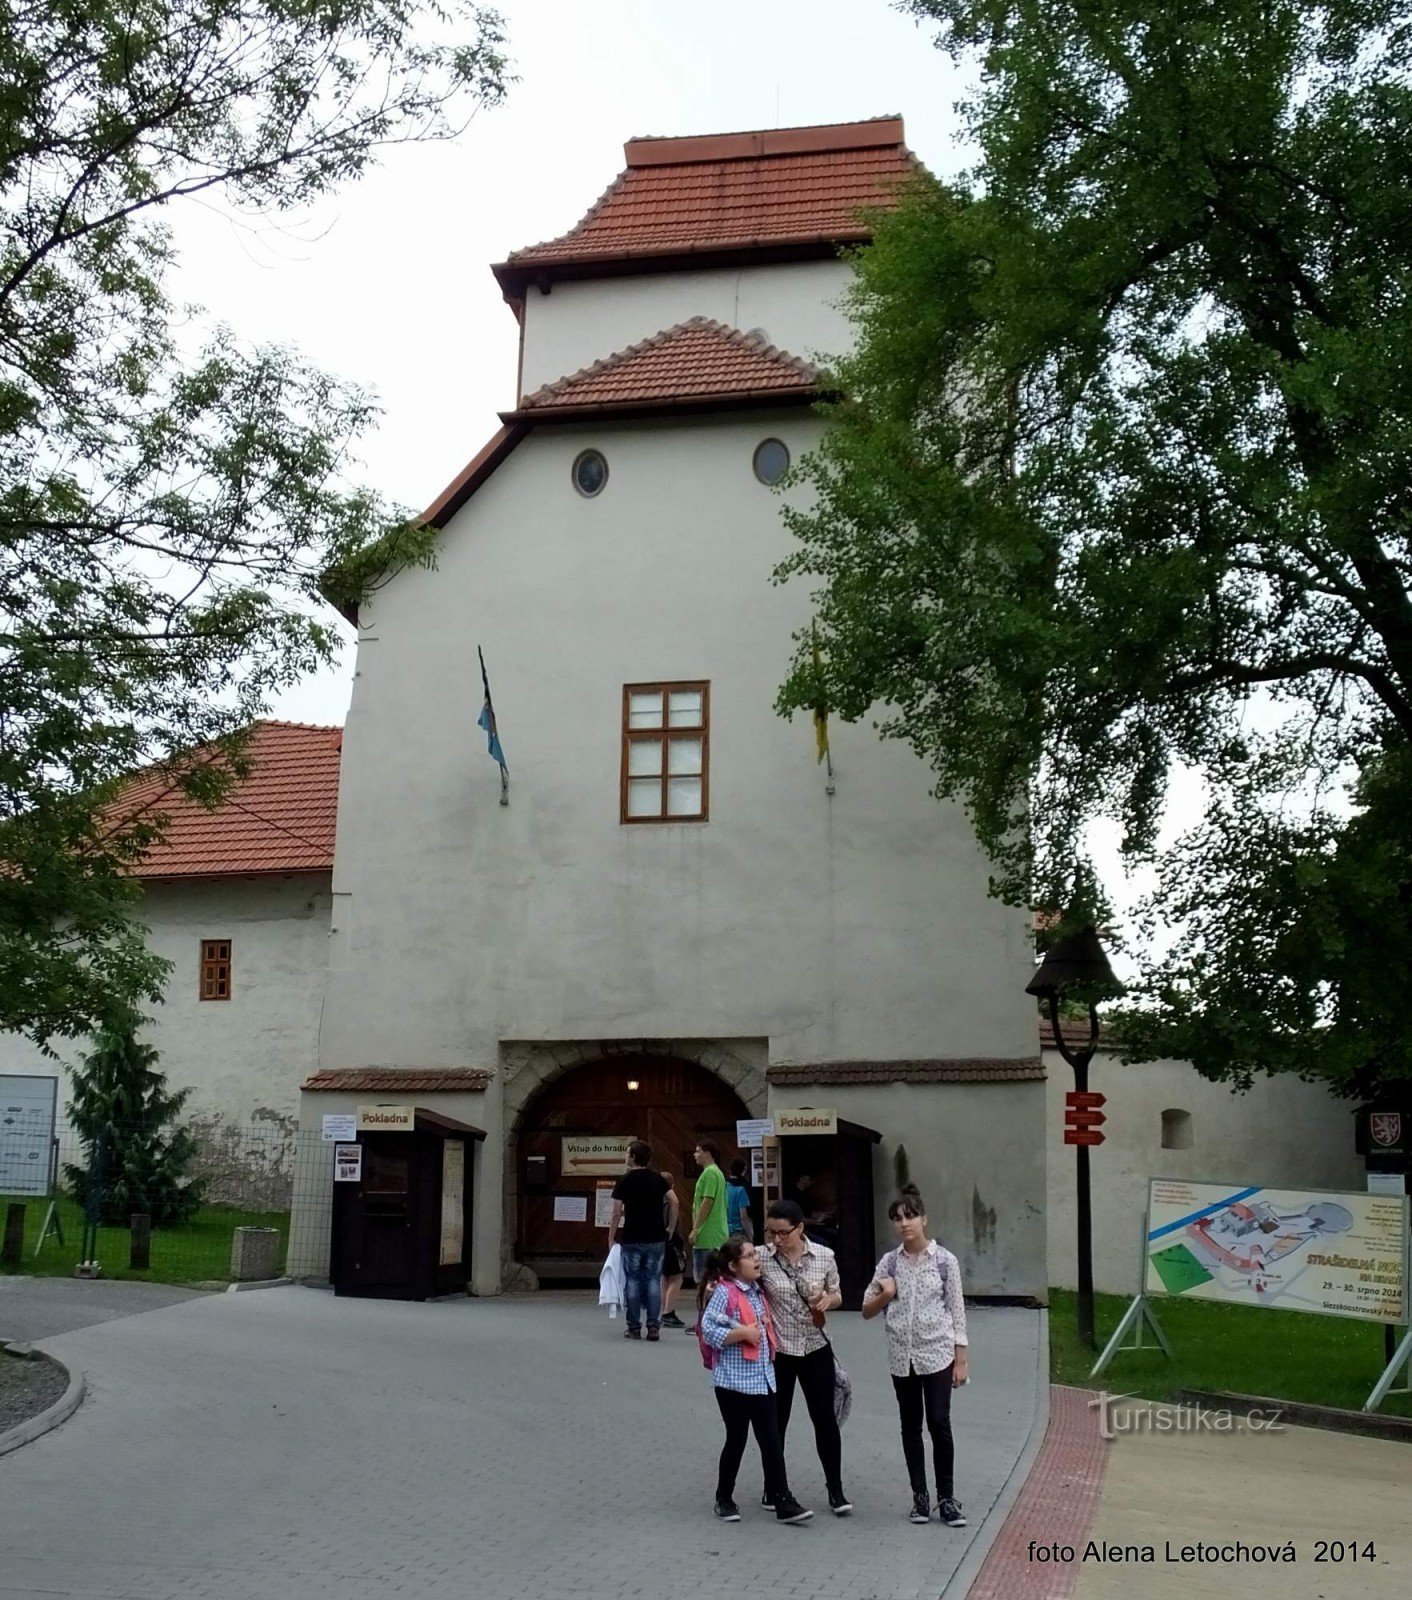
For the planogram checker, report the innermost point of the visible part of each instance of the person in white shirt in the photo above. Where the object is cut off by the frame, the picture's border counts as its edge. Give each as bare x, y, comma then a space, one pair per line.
918, 1289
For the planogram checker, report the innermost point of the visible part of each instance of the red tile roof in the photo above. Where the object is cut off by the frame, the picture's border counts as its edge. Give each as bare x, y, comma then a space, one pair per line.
278, 819
726, 193
695, 362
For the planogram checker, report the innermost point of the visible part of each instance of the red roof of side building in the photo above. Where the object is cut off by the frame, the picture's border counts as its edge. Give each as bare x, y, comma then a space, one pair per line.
788, 193
694, 363
280, 818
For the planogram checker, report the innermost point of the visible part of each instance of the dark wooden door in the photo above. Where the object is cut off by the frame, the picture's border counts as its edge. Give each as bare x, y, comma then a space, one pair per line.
674, 1104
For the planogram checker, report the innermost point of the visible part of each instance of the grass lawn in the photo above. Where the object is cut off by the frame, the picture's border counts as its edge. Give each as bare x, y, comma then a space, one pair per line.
1331, 1361
198, 1251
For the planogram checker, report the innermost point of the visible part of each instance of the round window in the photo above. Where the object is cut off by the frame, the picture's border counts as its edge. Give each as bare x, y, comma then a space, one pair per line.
771, 460
590, 472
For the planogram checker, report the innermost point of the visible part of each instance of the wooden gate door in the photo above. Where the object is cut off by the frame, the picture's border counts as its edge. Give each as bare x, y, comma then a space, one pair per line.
669, 1103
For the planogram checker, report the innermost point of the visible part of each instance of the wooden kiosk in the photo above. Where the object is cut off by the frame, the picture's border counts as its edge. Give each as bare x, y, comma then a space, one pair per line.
825, 1163
402, 1205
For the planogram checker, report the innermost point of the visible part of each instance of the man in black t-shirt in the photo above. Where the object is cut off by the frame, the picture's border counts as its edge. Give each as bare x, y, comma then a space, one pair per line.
637, 1204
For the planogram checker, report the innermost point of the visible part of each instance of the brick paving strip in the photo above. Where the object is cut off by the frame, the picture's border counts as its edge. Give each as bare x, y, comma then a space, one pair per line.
1056, 1506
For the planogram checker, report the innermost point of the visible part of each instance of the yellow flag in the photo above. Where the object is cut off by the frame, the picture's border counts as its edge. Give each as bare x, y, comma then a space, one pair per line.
821, 715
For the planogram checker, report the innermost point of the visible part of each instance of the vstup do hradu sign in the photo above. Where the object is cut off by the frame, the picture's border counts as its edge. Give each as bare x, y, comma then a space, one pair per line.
1341, 1255
593, 1155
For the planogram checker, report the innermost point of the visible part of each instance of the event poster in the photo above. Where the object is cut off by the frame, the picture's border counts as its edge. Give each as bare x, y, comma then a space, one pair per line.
1340, 1255
27, 1113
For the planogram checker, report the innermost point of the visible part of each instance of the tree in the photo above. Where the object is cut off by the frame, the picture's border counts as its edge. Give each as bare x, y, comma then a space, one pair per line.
124, 1114
1120, 488
164, 519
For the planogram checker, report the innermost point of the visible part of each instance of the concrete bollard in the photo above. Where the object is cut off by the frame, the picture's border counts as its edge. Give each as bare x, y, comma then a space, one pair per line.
139, 1255
254, 1255
14, 1245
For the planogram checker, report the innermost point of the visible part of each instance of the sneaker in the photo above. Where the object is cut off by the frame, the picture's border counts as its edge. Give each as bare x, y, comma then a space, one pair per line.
672, 1320
727, 1511
632, 1333
839, 1503
921, 1509
949, 1511
653, 1336
767, 1501
788, 1509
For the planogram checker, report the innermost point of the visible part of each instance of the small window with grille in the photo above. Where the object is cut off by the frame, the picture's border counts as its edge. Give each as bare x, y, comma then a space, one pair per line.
666, 746
215, 969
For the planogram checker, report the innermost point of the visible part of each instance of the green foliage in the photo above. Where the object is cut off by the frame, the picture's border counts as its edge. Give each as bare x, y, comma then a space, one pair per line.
164, 518
1120, 489
123, 1113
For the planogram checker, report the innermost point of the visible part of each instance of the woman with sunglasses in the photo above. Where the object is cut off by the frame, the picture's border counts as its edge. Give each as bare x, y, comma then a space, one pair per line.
800, 1279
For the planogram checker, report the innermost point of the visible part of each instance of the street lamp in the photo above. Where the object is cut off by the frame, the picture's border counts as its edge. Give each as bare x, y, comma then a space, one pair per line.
1077, 964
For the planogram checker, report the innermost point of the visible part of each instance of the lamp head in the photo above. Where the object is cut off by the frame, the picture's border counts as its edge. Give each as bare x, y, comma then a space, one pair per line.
1077, 962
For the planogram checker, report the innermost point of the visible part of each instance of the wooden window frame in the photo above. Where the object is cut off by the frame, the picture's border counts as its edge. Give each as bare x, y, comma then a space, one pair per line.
211, 958
630, 735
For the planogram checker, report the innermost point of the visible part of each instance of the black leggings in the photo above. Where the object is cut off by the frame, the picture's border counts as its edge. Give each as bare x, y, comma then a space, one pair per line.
741, 1413
930, 1393
814, 1374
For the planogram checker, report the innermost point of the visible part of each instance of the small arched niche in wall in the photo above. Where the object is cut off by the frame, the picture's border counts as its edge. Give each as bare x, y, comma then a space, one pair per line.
1176, 1130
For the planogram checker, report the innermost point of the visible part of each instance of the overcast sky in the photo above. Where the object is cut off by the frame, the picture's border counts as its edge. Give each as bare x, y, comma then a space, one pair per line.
388, 283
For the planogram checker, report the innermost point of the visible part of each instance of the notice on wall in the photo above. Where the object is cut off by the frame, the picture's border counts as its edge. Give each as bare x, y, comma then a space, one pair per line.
603, 1206
340, 1127
27, 1110
571, 1208
1340, 1255
347, 1163
765, 1168
594, 1155
806, 1119
1386, 1183
453, 1202
749, 1131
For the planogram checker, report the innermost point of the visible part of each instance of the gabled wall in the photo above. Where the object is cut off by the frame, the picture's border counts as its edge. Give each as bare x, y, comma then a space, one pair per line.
580, 322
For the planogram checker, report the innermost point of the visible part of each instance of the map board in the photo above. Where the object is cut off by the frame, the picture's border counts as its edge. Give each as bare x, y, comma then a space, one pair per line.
1339, 1255
27, 1110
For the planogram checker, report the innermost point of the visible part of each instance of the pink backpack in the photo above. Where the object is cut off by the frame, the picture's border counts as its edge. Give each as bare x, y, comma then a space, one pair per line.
710, 1356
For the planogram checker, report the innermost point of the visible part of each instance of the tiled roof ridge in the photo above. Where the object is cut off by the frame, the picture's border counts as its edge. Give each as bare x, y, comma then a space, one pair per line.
841, 128
738, 336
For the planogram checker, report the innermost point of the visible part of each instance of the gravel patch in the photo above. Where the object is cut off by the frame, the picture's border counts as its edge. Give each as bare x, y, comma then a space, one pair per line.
28, 1387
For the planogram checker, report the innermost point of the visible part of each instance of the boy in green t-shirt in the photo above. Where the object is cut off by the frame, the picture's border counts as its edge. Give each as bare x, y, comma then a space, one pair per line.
708, 1209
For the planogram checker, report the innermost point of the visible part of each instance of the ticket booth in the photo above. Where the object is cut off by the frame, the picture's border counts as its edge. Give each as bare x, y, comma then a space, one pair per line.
402, 1205
826, 1167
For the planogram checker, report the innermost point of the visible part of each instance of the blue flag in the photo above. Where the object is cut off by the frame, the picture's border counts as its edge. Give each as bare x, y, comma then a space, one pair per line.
486, 720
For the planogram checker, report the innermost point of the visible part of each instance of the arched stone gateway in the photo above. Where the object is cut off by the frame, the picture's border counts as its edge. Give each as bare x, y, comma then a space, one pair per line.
669, 1094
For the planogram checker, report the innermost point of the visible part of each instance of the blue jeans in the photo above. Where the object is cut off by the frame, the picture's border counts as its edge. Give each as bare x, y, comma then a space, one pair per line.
642, 1265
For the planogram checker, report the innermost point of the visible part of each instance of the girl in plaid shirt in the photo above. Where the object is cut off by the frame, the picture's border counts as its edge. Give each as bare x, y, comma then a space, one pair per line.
737, 1338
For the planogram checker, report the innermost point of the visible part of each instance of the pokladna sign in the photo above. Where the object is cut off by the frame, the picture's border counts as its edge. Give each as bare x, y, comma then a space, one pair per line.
1340, 1255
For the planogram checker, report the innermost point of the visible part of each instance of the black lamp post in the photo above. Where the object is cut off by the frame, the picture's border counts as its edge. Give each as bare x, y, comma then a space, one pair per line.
1078, 964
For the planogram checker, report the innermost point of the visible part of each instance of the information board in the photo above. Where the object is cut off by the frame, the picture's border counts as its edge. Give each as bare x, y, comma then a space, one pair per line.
1336, 1254
28, 1107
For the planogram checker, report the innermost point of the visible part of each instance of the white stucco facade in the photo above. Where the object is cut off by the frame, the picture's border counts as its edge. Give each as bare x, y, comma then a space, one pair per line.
1282, 1133
244, 1058
851, 926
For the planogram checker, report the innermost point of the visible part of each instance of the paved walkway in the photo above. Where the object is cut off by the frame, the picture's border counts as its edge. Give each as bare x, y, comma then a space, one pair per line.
1183, 1491
38, 1308
284, 1444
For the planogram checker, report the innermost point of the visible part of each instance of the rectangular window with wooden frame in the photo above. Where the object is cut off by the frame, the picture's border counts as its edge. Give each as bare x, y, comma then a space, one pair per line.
666, 750
215, 969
